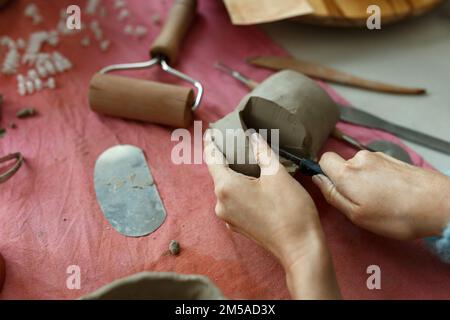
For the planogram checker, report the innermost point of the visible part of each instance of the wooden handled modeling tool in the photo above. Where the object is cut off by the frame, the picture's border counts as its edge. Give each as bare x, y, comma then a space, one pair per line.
2, 272
325, 73
150, 101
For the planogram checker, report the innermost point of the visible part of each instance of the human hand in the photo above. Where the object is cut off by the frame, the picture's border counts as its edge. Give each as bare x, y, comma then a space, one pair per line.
276, 212
273, 210
386, 196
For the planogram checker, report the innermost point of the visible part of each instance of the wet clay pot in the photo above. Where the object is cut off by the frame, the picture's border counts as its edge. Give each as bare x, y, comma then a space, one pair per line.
158, 286
289, 101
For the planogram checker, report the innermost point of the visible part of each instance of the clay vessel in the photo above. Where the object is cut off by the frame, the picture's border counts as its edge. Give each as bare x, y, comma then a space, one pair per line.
289, 101
158, 286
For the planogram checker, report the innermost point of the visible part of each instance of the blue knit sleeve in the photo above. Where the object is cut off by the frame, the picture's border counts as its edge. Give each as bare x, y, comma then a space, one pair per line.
441, 245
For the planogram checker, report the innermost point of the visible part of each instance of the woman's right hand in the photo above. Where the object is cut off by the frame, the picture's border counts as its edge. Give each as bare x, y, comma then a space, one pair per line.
386, 196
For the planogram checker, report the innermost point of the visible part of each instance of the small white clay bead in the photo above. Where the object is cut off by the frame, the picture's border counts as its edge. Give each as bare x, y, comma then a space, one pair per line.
22, 89
91, 8
49, 67
32, 74
59, 65
42, 71
20, 78
21, 44
38, 84
30, 86
123, 14
30, 10
119, 4
128, 29
104, 45
11, 62
51, 83
86, 41
37, 19
140, 31
53, 38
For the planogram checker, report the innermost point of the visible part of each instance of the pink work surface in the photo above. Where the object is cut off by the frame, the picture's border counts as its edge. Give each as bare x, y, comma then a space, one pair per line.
49, 216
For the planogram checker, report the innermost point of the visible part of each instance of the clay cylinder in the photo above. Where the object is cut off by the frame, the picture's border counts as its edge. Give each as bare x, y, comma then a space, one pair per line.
289, 102
141, 100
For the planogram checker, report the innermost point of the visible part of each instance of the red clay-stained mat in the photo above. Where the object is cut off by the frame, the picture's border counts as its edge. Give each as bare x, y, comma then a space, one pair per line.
49, 216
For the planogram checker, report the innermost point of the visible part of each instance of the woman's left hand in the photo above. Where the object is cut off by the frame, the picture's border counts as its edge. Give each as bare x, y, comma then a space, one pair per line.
276, 212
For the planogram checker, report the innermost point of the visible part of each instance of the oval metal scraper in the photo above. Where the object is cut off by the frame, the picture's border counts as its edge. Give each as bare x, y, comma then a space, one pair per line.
126, 191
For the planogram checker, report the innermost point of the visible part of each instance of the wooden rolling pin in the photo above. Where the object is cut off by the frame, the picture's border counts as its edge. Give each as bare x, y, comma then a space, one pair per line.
151, 101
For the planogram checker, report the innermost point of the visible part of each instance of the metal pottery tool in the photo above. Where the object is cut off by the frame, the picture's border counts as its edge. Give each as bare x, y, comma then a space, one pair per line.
362, 118
391, 149
150, 101
306, 166
387, 147
251, 84
126, 191
321, 72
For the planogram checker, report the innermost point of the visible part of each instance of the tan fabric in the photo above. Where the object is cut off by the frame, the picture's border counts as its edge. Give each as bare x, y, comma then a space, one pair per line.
260, 11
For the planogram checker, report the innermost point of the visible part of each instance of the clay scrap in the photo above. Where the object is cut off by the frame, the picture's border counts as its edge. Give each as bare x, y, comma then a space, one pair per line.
158, 285
26, 113
289, 101
174, 248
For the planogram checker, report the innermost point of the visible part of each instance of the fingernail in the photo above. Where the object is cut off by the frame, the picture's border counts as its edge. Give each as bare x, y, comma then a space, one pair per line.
207, 136
318, 178
254, 138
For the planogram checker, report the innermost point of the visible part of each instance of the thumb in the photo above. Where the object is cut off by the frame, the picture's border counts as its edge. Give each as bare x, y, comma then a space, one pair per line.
264, 155
333, 196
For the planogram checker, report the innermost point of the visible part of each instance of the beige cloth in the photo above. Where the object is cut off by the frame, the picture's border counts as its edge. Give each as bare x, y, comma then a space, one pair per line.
244, 12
